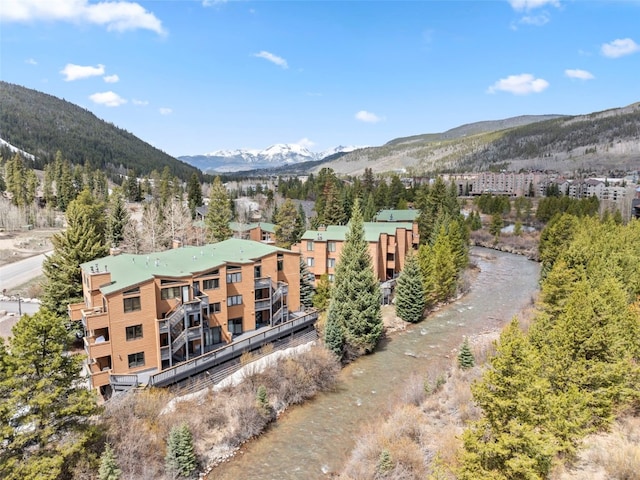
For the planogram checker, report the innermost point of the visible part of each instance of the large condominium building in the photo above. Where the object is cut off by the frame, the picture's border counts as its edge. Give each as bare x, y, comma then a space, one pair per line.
389, 242
146, 314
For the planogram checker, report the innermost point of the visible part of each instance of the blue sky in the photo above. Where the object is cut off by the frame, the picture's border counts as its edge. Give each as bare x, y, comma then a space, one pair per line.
192, 77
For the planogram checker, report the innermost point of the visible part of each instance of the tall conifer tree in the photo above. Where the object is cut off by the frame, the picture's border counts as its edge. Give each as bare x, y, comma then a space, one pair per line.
117, 219
410, 301
82, 241
219, 214
306, 285
50, 406
356, 297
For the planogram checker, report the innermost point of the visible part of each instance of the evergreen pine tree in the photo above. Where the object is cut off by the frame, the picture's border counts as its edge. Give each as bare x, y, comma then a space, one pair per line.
465, 356
301, 222
409, 300
49, 406
287, 227
108, 465
118, 217
517, 228
82, 241
333, 212
262, 402
306, 285
219, 214
334, 336
322, 295
194, 194
385, 462
496, 224
356, 297
180, 459
370, 208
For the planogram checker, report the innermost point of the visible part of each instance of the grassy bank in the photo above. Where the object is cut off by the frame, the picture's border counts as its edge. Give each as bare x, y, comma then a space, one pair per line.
137, 425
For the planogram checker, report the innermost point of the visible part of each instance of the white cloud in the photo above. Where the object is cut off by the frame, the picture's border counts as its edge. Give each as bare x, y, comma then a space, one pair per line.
109, 99
140, 103
522, 84
165, 111
619, 48
281, 62
211, 3
528, 5
114, 15
367, 117
30, 61
306, 143
536, 20
111, 78
76, 72
579, 74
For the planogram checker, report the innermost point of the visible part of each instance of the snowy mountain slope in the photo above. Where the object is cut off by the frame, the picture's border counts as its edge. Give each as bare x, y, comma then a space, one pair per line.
244, 159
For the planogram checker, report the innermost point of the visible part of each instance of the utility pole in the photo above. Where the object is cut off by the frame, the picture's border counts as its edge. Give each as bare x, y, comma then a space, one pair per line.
19, 307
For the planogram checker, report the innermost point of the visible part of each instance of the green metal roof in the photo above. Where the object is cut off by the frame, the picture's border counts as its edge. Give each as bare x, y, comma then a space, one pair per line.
372, 231
396, 215
128, 270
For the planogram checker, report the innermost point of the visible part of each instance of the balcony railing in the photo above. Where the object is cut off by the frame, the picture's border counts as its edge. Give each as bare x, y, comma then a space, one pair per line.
263, 282
100, 378
263, 304
96, 350
233, 350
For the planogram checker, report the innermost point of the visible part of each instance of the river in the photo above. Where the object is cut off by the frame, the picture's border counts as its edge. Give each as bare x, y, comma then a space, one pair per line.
312, 440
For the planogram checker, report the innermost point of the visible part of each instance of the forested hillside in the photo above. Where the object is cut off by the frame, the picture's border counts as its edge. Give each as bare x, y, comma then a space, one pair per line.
603, 142
41, 124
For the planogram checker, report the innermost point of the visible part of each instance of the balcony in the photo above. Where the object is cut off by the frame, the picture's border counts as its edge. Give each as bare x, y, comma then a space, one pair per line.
95, 318
100, 379
100, 370
96, 350
233, 350
75, 311
263, 304
264, 282
391, 247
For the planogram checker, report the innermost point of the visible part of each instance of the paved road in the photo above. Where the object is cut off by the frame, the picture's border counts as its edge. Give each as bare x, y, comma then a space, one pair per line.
13, 307
17, 273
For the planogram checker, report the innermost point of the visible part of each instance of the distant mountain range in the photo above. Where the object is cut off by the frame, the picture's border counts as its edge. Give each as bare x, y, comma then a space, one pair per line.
600, 142
277, 155
40, 125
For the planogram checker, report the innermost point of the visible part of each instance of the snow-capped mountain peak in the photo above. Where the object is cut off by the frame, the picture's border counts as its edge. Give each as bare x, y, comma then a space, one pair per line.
247, 159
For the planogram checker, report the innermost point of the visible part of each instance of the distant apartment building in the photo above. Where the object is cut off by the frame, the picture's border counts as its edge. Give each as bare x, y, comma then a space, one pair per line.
257, 231
504, 183
145, 314
389, 242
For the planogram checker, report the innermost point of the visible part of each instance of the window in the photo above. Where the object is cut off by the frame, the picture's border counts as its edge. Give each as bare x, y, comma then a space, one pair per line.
132, 291
331, 277
280, 262
134, 332
214, 308
170, 292
235, 326
331, 262
309, 245
234, 277
331, 246
211, 284
234, 300
131, 304
310, 262
136, 360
